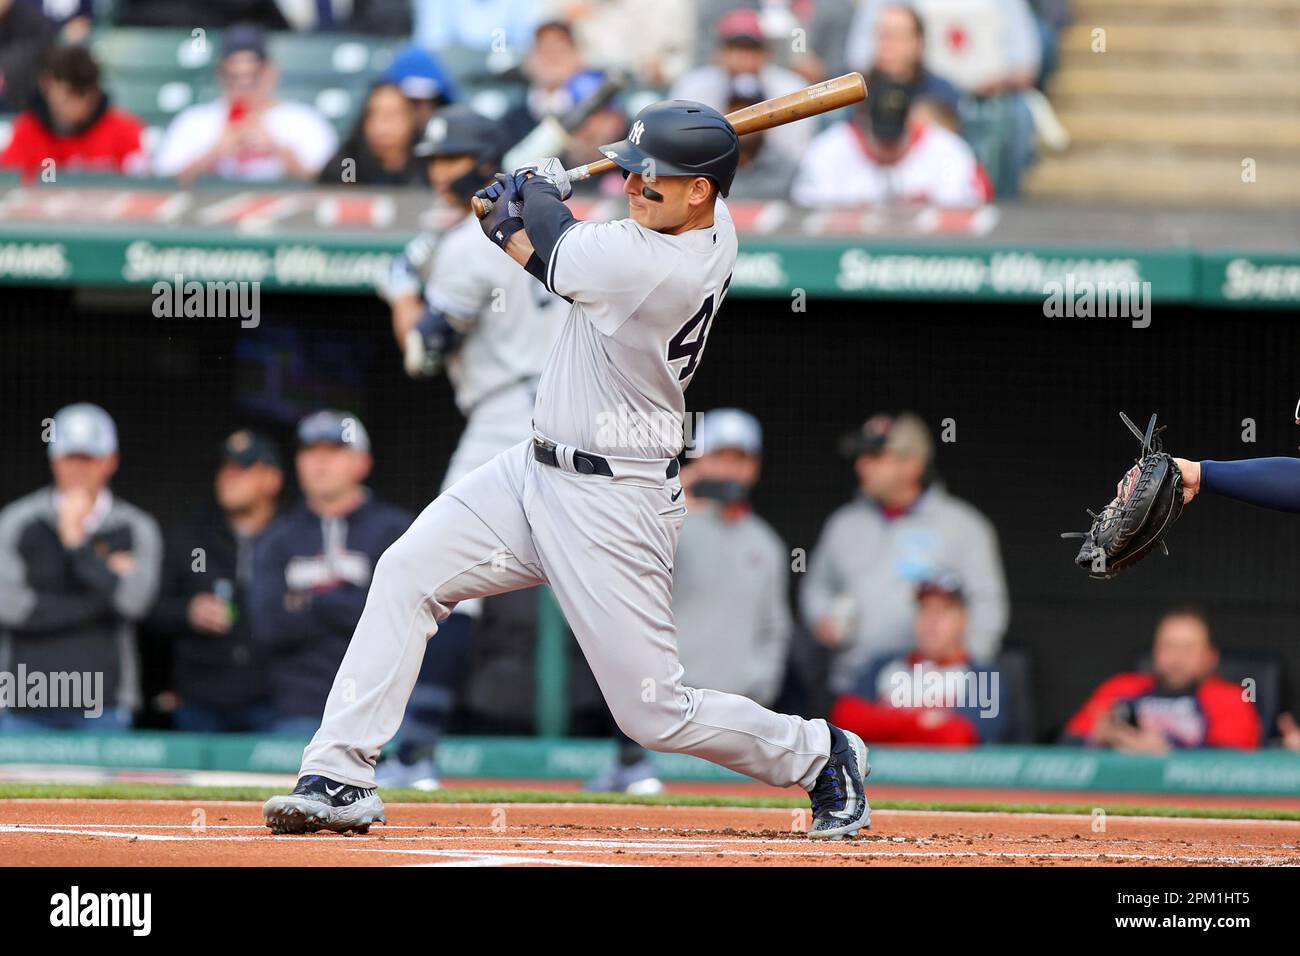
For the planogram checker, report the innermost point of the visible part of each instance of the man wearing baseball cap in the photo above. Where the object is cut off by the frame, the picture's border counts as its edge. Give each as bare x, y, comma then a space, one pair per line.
935, 694
78, 570
219, 671
743, 48
730, 581
312, 567
859, 595
248, 133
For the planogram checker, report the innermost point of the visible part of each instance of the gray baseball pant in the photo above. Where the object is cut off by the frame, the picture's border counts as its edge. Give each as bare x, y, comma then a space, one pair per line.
605, 546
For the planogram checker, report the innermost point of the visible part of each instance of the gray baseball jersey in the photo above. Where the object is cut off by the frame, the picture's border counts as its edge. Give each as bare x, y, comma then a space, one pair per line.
510, 323
643, 305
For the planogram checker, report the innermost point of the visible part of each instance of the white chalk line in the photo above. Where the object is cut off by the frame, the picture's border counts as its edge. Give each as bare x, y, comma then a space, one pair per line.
678, 847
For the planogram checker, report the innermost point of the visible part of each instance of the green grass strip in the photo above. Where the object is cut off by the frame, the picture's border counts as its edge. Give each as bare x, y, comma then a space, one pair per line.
148, 791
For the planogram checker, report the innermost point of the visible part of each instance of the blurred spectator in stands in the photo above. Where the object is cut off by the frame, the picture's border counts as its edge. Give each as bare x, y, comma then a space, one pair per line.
552, 61
312, 567
25, 35
991, 49
742, 49
823, 53
248, 134
1180, 703
502, 27
606, 125
378, 151
220, 678
731, 576
78, 569
1289, 729
73, 19
900, 52
886, 153
423, 79
805, 35
730, 583
207, 14
933, 694
651, 39
72, 124
1052, 17
764, 172
859, 596
1017, 45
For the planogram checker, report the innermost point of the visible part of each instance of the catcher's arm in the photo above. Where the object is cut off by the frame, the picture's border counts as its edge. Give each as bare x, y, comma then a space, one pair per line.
1191, 478
1268, 482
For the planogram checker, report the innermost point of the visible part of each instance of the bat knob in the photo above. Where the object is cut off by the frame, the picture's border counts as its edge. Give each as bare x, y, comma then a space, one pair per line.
481, 206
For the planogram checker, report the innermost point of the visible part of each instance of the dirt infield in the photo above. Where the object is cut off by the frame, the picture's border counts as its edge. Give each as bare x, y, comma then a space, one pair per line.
180, 833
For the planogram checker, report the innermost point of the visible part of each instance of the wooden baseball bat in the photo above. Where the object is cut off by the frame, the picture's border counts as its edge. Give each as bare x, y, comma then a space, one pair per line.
813, 101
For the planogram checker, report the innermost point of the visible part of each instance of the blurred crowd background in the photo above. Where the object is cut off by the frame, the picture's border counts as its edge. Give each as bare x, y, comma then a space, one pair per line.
228, 608
168, 89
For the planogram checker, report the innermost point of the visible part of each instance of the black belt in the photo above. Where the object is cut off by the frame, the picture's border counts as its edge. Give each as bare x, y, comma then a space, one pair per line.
584, 462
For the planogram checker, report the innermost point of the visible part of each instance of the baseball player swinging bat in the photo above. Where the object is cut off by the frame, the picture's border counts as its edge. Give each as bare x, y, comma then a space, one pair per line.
490, 326
813, 101
592, 503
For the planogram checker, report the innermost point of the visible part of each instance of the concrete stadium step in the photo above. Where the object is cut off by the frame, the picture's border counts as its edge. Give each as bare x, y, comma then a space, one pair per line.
1151, 88
1088, 175
1185, 90
1185, 43
1103, 12
1212, 131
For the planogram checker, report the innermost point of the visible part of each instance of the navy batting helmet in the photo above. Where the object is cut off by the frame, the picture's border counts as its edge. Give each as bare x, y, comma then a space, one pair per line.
459, 131
679, 138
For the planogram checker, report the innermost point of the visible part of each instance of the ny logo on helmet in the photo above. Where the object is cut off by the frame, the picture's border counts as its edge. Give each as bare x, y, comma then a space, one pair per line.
634, 137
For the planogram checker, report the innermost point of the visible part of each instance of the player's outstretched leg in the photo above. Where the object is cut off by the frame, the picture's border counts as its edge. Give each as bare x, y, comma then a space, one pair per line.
470, 542
608, 554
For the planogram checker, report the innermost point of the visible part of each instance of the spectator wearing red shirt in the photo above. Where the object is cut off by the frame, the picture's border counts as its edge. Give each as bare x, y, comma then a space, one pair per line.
72, 123
935, 694
1181, 704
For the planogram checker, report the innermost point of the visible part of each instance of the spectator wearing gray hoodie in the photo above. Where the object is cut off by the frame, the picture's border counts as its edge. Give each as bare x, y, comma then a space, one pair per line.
859, 596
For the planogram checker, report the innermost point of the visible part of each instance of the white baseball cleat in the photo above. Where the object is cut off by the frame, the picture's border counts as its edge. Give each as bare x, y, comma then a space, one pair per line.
319, 803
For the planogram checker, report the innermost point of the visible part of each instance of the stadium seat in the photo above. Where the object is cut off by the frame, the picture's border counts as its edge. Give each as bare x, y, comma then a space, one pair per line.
153, 52
333, 55
152, 99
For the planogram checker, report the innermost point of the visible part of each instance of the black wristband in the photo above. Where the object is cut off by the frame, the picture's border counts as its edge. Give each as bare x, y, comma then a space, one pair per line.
505, 229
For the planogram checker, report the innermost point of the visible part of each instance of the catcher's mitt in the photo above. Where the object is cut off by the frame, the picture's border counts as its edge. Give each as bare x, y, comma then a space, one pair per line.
1148, 501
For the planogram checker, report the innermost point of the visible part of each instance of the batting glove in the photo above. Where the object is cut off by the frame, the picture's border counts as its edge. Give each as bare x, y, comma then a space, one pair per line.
504, 219
550, 169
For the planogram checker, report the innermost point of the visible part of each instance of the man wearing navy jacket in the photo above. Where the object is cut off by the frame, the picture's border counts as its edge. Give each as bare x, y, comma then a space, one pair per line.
312, 567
